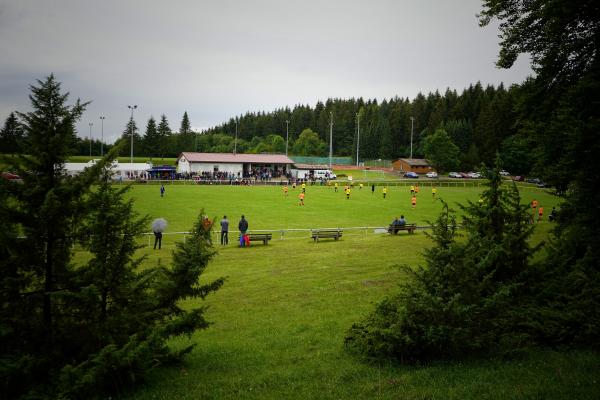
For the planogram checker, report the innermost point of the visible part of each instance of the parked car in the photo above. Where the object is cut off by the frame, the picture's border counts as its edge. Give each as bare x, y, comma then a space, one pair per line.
454, 175
518, 178
504, 173
537, 181
12, 177
412, 175
474, 175
432, 174
464, 175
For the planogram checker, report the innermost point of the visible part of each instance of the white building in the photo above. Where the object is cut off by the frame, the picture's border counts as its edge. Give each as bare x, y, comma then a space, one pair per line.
240, 165
312, 171
125, 171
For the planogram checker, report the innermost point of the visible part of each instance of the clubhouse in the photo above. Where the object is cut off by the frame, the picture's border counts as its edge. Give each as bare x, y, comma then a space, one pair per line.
234, 165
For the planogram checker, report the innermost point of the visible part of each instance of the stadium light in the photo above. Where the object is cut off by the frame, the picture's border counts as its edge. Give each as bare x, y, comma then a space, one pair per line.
287, 136
91, 139
131, 127
357, 135
330, 137
102, 118
235, 141
412, 127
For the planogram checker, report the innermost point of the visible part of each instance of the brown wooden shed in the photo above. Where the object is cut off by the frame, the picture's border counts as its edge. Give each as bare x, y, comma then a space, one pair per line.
418, 165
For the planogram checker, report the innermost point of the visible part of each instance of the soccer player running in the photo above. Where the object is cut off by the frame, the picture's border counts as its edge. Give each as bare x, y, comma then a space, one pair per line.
301, 197
414, 201
384, 191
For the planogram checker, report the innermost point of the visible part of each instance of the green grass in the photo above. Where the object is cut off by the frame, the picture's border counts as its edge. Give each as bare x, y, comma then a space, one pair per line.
279, 320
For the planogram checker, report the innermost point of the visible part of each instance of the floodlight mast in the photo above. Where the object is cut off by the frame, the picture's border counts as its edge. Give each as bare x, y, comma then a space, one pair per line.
330, 137
412, 127
102, 118
91, 124
287, 136
131, 127
357, 135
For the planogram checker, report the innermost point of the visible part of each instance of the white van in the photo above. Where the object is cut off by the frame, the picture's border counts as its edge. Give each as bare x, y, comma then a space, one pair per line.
324, 174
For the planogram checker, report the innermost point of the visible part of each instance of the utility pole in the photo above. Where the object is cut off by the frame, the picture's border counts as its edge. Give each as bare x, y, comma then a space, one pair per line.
357, 135
412, 128
235, 141
102, 118
91, 139
287, 136
131, 127
330, 137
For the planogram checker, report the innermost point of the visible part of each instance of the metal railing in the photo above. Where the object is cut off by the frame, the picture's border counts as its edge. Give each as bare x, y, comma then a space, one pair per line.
287, 234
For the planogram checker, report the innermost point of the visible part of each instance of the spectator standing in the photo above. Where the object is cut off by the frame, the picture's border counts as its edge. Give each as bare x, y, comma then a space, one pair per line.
243, 225
224, 231
157, 239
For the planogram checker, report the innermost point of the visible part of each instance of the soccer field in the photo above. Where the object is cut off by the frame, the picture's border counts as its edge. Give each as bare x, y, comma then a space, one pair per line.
279, 321
267, 208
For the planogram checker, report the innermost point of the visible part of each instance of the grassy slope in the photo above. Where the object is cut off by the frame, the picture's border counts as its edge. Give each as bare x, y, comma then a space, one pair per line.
280, 319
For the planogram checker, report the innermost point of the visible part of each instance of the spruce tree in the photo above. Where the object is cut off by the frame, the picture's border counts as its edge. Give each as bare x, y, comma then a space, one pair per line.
472, 297
151, 139
164, 135
11, 135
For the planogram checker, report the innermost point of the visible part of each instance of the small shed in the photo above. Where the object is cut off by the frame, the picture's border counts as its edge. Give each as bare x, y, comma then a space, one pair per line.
417, 165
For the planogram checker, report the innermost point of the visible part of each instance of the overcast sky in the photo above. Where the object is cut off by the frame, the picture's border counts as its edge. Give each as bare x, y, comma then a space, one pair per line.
217, 59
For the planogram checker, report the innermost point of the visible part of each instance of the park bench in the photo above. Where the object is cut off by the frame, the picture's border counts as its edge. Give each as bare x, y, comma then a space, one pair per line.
260, 237
407, 227
317, 234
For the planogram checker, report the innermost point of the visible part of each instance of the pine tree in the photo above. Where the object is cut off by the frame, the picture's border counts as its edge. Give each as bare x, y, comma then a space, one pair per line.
130, 129
472, 297
11, 135
165, 138
40, 217
151, 140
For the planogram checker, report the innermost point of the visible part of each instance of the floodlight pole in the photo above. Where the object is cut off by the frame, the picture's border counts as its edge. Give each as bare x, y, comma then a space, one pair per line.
235, 141
131, 127
287, 136
412, 127
91, 139
357, 135
330, 137
102, 118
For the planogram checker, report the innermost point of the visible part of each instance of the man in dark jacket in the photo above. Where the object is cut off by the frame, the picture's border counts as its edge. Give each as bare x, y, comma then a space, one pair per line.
224, 230
157, 239
243, 225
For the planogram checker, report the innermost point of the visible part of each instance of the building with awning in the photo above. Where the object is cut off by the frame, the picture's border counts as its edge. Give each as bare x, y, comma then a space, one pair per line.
238, 165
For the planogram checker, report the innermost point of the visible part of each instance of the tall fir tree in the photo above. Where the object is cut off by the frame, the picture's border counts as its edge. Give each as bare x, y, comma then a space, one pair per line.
151, 140
11, 135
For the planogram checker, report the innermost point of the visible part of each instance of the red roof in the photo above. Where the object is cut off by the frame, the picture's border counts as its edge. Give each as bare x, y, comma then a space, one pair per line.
236, 158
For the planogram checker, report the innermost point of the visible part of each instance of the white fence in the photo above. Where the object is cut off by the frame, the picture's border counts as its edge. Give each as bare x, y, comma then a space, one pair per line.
283, 234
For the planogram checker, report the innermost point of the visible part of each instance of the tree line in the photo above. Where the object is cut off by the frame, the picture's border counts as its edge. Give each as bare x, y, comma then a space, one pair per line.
480, 121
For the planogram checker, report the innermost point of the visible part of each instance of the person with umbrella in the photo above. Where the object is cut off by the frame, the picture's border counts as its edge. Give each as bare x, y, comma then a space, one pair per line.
158, 227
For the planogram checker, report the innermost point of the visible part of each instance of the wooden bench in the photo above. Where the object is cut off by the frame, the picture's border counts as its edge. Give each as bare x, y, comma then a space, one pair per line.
407, 227
317, 234
260, 237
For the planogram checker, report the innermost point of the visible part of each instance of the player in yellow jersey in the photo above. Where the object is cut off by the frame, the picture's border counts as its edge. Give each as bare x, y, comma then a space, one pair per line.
347, 193
384, 191
433, 192
285, 190
336, 186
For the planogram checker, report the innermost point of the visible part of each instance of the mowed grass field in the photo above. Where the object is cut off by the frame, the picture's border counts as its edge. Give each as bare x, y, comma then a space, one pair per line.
279, 321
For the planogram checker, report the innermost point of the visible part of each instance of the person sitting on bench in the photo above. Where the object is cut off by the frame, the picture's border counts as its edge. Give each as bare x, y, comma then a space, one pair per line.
394, 225
401, 221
